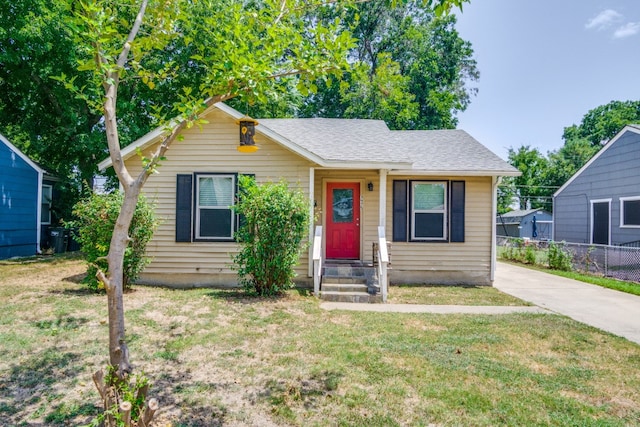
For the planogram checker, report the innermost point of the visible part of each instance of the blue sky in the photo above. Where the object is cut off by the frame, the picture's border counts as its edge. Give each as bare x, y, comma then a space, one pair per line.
544, 64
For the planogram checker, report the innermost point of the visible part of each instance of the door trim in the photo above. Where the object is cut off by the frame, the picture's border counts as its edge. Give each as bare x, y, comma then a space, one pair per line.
592, 222
325, 181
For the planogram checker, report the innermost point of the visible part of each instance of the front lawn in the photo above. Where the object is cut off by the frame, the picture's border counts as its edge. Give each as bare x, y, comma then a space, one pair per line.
219, 358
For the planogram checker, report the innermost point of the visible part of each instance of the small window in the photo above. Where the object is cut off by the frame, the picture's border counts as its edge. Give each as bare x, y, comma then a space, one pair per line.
630, 211
45, 203
428, 210
215, 218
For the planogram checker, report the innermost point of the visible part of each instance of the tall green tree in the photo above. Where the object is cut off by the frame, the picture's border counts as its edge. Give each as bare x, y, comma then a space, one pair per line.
53, 128
412, 69
603, 122
529, 189
62, 132
240, 49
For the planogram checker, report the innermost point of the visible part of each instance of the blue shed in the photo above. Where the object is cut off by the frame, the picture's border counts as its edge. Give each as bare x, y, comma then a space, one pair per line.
24, 202
536, 224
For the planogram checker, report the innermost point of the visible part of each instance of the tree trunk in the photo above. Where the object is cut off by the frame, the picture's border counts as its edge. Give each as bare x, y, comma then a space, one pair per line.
118, 350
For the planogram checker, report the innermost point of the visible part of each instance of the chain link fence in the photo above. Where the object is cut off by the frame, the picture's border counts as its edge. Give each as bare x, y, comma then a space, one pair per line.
619, 262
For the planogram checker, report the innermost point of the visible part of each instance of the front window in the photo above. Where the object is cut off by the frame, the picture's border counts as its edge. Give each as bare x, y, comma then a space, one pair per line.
45, 203
428, 210
630, 211
215, 218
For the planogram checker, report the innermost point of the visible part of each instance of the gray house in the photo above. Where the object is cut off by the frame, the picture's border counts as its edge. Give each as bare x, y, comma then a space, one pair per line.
530, 223
600, 204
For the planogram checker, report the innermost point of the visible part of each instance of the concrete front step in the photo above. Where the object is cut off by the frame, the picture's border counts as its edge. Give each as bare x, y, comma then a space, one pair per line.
359, 297
344, 287
334, 280
348, 283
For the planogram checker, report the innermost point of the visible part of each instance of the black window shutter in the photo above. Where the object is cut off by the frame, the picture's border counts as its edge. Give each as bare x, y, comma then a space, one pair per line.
457, 211
400, 214
184, 194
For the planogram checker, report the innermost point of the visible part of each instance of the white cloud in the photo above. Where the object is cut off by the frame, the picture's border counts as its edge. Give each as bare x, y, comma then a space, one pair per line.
603, 20
627, 30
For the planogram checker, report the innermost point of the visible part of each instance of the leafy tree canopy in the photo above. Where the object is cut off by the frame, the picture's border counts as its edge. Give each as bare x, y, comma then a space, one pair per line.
411, 69
602, 123
528, 188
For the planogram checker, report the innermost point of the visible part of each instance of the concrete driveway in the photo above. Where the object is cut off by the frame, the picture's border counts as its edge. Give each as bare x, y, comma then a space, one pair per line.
606, 309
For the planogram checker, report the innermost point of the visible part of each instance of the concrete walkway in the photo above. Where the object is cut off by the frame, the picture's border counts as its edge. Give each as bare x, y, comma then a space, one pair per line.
611, 311
437, 309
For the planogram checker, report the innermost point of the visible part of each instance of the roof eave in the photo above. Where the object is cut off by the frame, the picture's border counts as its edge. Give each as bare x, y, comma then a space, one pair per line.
22, 155
153, 136
455, 172
141, 143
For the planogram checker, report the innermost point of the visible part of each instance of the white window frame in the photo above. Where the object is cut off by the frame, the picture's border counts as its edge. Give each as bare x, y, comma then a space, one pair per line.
627, 199
198, 208
591, 203
444, 211
48, 194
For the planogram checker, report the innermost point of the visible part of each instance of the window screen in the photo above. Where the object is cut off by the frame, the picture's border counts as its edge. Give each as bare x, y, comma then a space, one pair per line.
214, 201
428, 210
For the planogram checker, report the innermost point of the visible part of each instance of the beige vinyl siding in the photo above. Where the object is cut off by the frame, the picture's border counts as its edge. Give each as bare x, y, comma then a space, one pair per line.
468, 262
211, 150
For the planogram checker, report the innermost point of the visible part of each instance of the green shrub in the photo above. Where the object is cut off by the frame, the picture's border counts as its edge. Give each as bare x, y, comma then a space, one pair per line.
274, 222
514, 250
559, 257
96, 217
530, 255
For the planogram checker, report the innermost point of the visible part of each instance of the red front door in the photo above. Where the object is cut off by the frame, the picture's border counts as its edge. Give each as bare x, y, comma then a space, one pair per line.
343, 220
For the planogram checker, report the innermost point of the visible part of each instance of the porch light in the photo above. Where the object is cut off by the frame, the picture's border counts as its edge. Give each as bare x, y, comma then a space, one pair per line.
247, 131
370, 186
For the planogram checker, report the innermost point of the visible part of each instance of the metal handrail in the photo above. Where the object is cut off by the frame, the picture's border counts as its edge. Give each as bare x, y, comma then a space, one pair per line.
317, 260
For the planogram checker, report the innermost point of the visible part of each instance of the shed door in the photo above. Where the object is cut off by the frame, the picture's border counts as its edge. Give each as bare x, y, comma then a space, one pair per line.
343, 220
601, 226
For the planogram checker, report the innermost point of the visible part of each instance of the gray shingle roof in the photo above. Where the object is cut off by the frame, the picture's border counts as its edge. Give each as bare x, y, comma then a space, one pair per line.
358, 140
520, 213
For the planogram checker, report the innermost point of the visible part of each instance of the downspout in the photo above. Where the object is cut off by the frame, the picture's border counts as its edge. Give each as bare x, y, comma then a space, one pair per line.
496, 180
311, 219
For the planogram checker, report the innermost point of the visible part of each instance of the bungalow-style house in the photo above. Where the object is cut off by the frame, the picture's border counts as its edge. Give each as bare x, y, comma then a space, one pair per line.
432, 194
536, 224
600, 204
26, 192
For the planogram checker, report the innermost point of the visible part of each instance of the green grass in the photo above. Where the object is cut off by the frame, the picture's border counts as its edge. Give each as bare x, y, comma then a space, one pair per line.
605, 282
450, 295
219, 357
